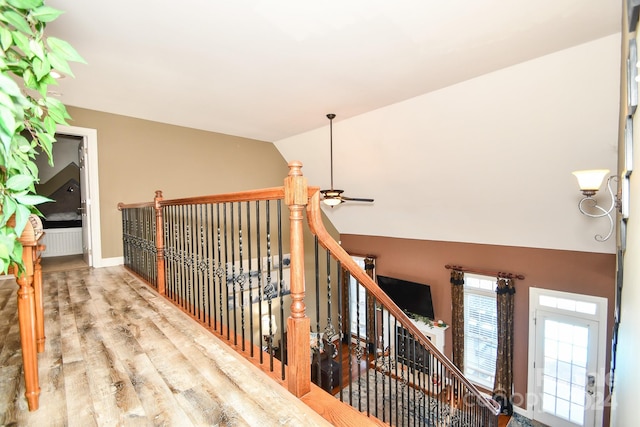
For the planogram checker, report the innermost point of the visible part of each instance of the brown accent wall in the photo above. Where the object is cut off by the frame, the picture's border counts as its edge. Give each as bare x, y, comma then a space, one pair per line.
137, 157
423, 261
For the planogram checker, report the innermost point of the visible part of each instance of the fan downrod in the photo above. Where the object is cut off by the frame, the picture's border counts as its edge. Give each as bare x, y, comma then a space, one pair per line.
334, 197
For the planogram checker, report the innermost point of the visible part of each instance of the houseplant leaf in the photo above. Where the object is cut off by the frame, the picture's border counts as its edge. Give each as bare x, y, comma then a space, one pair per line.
46, 13
17, 20
19, 182
26, 60
25, 4
64, 49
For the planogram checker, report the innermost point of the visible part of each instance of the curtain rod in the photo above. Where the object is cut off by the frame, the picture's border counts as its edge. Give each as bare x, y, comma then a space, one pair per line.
499, 274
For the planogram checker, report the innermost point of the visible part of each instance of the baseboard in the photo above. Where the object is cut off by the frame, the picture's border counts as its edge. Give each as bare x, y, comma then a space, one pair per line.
110, 262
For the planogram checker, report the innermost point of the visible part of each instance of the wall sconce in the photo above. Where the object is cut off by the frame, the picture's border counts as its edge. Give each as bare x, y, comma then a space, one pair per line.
589, 182
269, 328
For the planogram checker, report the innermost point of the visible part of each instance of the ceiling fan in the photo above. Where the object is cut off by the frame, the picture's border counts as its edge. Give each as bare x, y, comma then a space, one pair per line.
334, 197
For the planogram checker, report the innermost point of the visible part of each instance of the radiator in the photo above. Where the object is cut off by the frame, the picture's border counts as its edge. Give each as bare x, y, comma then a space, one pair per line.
62, 241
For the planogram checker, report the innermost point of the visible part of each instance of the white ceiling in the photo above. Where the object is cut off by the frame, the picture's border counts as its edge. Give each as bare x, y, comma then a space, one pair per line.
270, 69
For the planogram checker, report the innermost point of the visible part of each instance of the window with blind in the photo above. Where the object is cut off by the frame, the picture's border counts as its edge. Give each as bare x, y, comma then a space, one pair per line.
480, 329
358, 304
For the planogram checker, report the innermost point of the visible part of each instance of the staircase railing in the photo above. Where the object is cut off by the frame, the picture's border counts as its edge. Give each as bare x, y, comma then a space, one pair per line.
400, 376
240, 267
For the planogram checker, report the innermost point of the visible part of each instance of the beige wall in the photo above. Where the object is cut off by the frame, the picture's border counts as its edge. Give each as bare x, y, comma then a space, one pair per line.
137, 157
423, 261
627, 374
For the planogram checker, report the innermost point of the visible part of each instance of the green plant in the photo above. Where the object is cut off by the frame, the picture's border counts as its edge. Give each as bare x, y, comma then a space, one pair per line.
28, 116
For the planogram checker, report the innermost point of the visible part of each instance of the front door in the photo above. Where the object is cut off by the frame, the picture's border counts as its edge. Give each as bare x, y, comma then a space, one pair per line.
568, 334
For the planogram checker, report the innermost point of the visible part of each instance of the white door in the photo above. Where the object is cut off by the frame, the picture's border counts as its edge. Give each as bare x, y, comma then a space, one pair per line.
566, 363
567, 345
85, 200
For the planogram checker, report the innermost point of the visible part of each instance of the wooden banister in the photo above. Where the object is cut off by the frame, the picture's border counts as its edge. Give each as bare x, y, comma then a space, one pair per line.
202, 268
325, 240
242, 196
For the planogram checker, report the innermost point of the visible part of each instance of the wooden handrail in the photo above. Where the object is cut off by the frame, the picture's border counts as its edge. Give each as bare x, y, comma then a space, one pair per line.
314, 218
122, 206
242, 196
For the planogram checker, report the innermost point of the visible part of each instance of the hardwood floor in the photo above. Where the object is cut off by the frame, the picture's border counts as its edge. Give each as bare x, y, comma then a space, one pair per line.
62, 263
119, 354
503, 420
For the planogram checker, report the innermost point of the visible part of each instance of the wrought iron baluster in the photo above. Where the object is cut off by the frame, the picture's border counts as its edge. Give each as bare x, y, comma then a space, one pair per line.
189, 243
366, 347
315, 351
259, 286
208, 257
154, 247
173, 274
357, 347
389, 368
168, 250
269, 289
376, 352
341, 334
183, 259
329, 331
250, 276
399, 349
226, 265
280, 275
241, 277
220, 272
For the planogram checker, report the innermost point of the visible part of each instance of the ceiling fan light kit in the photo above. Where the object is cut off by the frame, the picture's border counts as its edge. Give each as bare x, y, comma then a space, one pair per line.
334, 197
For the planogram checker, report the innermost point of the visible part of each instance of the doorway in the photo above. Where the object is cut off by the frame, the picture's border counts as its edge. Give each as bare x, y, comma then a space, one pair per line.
61, 183
567, 336
89, 206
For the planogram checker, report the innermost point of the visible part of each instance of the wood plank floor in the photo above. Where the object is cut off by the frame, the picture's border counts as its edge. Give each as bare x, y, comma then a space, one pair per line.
119, 354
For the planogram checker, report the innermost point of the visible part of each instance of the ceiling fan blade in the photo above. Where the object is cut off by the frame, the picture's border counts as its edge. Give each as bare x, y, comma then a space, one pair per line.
357, 199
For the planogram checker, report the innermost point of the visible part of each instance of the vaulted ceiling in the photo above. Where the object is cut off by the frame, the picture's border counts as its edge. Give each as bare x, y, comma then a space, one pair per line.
271, 69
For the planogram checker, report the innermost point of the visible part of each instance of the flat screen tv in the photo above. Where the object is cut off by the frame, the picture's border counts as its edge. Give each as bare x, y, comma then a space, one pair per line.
409, 296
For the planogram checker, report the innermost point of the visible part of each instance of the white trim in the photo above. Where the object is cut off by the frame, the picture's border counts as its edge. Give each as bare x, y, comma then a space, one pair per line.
91, 139
112, 262
600, 317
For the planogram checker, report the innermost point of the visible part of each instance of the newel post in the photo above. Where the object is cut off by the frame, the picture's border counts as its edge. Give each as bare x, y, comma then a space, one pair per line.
298, 324
159, 243
27, 316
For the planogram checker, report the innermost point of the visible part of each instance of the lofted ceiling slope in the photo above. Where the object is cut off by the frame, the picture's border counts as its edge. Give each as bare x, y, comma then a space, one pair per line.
268, 70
